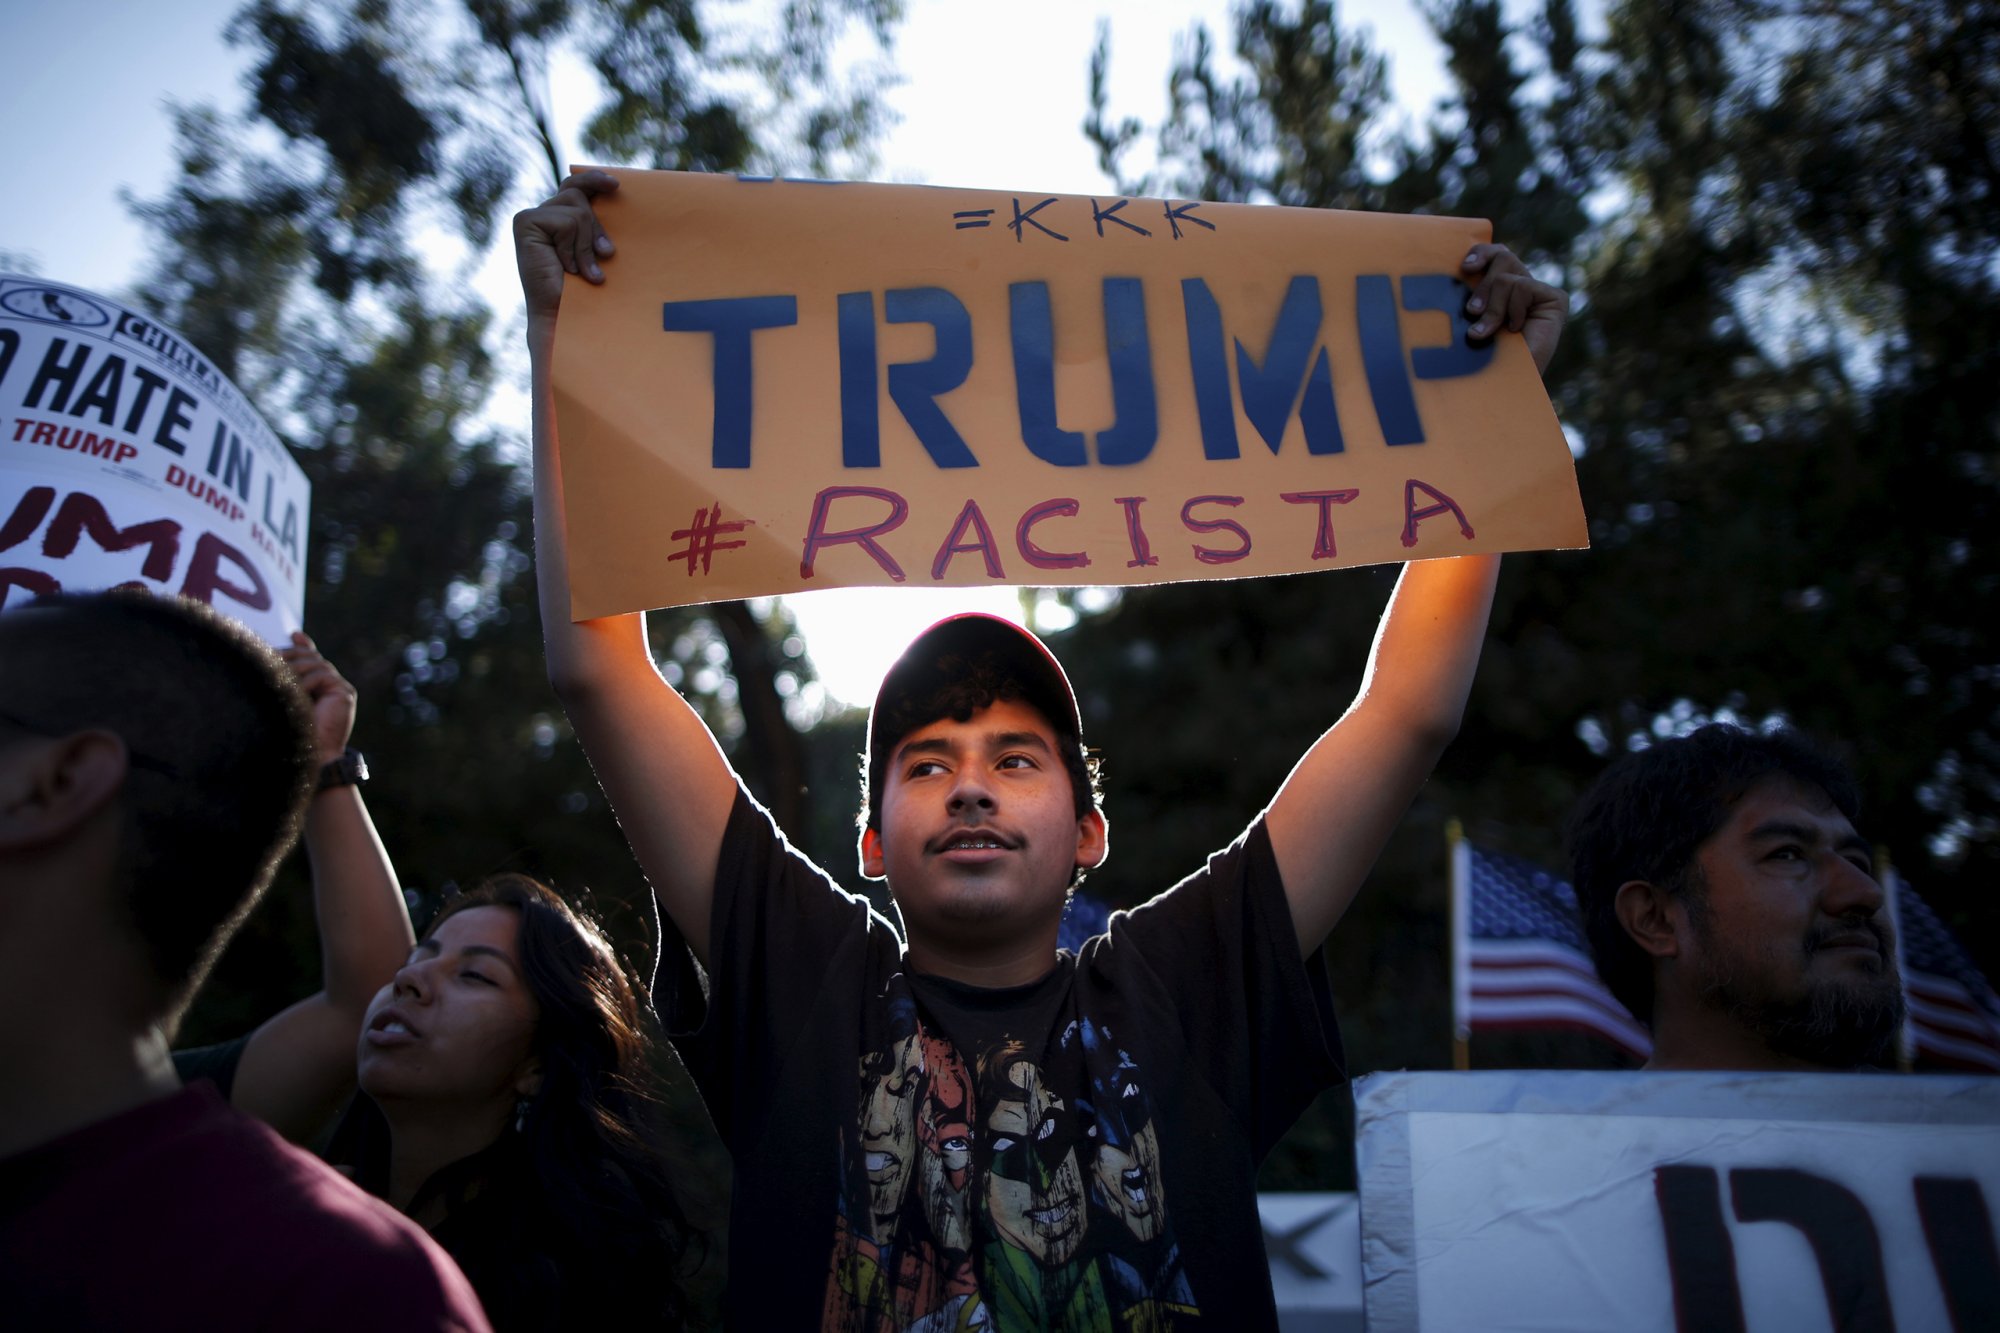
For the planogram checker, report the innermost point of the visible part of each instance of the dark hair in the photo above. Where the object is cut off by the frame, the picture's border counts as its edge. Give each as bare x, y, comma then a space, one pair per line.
1647, 815
220, 742
973, 683
573, 1218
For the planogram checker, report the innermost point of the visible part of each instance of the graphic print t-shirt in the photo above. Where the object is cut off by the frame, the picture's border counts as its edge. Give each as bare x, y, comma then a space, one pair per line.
1078, 1153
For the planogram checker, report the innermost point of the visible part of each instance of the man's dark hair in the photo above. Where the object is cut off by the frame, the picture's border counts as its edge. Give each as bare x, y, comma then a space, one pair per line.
1646, 816
220, 746
971, 684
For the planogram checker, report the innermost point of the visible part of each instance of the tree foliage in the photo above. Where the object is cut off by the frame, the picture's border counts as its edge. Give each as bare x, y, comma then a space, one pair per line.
295, 247
1777, 220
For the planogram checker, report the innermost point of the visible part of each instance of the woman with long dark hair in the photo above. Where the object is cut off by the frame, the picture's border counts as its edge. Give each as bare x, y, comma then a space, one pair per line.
510, 1104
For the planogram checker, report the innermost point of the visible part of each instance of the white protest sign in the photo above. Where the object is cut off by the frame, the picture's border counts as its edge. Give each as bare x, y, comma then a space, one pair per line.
1537, 1200
126, 458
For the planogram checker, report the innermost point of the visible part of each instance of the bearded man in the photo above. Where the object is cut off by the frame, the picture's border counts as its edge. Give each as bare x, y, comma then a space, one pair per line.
1733, 907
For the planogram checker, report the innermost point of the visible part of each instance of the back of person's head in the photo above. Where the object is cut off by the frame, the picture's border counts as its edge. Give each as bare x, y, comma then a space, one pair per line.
1649, 813
219, 757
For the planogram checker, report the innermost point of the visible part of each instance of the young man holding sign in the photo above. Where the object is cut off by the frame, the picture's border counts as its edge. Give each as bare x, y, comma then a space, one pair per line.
961, 1126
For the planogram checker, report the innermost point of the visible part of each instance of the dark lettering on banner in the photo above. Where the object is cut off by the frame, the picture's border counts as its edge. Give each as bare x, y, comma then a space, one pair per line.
207, 577
915, 386
1701, 1259
1270, 388
1837, 1225
1035, 555
29, 511
730, 322
1382, 359
1440, 504
33, 582
148, 382
1959, 1231
215, 566
1294, 376
1323, 543
10, 343
1100, 216
81, 512
157, 340
57, 371
1135, 424
206, 492
73, 439
174, 419
819, 536
59, 385
1847, 1248
233, 466
1022, 221
1456, 355
969, 517
860, 382
287, 527
1215, 555
101, 395
1135, 532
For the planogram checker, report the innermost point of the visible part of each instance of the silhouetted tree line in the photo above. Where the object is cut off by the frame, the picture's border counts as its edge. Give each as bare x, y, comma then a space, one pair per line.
1778, 222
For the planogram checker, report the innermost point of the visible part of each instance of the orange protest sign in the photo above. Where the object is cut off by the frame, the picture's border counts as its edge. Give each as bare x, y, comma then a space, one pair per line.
787, 385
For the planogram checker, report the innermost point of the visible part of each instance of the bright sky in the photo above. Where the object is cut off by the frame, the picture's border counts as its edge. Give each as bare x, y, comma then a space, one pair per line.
992, 97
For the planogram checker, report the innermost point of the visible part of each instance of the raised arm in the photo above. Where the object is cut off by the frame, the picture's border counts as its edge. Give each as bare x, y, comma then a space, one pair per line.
1332, 816
666, 778
299, 1066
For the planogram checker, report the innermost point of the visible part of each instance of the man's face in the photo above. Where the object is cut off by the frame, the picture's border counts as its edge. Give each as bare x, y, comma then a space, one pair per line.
1788, 931
980, 836
888, 1128
1034, 1191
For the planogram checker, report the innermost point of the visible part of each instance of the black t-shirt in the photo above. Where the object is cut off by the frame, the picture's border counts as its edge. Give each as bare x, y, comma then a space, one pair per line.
1077, 1153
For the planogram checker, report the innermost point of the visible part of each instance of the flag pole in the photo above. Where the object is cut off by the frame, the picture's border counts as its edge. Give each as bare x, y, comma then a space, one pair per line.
1456, 856
1892, 893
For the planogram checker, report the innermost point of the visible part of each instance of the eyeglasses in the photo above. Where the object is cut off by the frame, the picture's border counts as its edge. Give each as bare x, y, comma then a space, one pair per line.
138, 758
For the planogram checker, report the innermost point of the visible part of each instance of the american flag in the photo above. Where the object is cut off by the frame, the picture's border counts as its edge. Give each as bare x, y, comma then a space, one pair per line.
1954, 1016
1520, 959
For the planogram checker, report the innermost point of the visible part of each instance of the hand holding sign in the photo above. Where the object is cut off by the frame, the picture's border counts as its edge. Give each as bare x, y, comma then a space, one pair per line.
1508, 296
563, 236
333, 699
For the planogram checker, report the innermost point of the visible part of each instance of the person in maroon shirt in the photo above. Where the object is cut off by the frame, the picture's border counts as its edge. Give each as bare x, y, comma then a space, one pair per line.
154, 763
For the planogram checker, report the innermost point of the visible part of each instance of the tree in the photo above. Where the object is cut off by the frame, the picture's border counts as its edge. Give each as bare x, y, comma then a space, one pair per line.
295, 268
1780, 239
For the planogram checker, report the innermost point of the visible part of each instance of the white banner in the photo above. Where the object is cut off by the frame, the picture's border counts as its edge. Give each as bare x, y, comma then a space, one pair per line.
126, 458
1750, 1202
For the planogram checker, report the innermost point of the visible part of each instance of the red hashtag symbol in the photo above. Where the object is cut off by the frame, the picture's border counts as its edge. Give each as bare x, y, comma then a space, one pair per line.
702, 537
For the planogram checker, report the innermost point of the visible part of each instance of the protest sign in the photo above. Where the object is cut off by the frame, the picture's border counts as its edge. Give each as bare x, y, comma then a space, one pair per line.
787, 385
127, 458
1542, 1200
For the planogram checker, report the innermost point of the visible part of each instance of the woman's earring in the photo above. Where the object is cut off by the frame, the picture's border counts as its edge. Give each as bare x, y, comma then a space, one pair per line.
521, 1116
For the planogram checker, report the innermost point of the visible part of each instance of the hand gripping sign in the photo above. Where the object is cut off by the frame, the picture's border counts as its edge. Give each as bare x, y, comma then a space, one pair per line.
127, 459
787, 385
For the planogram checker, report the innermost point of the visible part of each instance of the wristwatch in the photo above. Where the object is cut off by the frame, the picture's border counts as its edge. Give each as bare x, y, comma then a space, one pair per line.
350, 770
